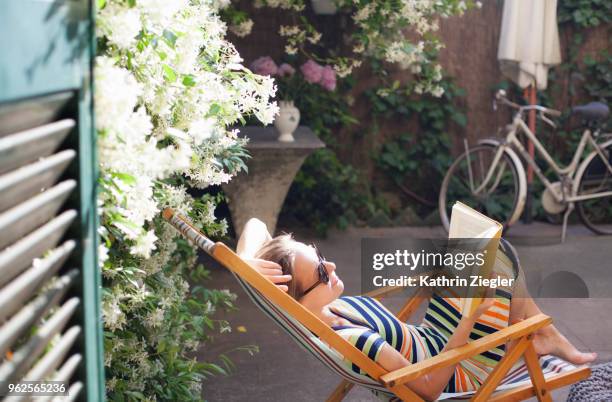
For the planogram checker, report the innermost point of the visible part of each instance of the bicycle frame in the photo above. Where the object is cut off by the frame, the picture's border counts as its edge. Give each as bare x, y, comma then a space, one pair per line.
562, 172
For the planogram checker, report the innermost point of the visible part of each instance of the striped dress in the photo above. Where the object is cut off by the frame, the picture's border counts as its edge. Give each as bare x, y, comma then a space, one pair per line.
372, 325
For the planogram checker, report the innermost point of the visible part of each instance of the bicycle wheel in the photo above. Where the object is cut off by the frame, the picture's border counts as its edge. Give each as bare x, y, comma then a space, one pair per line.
596, 213
498, 199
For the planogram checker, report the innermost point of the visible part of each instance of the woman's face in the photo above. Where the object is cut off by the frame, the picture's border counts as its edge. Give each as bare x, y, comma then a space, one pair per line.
305, 272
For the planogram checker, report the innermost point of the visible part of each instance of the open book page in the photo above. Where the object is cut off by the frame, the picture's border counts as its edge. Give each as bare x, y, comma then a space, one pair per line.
467, 223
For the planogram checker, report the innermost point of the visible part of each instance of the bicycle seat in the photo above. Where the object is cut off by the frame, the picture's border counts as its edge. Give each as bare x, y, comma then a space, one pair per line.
593, 111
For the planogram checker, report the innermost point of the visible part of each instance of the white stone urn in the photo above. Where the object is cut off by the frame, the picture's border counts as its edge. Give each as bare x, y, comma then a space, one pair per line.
324, 7
287, 120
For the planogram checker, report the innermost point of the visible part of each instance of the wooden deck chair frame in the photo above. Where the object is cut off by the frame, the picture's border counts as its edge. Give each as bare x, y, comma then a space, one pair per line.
395, 381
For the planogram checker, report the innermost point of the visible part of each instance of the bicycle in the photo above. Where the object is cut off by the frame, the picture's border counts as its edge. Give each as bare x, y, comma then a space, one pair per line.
491, 177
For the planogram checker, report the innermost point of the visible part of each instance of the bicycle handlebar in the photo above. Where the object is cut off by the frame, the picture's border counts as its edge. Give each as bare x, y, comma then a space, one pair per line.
500, 96
542, 109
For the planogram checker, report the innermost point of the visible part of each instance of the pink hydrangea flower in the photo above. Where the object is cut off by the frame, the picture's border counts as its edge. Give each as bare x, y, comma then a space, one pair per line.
312, 71
328, 78
286, 70
264, 66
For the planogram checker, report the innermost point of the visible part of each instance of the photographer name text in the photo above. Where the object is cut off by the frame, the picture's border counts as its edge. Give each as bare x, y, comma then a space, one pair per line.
442, 281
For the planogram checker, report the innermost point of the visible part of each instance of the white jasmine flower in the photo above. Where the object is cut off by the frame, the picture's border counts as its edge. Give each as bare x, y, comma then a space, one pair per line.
231, 296
267, 114
160, 12
192, 344
343, 70
273, 3
119, 24
437, 92
102, 254
220, 4
112, 315
155, 318
145, 244
116, 94
289, 30
112, 383
364, 13
201, 130
243, 29
437, 73
290, 49
315, 38
136, 127
359, 48
224, 327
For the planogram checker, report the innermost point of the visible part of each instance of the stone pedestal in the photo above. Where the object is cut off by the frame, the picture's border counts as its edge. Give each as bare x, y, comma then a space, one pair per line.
260, 193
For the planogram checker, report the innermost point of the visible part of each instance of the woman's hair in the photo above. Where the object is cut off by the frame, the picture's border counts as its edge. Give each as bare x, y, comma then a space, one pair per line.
281, 250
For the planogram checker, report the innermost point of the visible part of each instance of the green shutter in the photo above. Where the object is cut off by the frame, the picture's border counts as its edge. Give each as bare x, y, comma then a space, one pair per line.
48, 175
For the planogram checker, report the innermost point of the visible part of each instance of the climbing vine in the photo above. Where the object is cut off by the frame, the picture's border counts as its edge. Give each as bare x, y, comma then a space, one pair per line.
326, 192
584, 13
416, 159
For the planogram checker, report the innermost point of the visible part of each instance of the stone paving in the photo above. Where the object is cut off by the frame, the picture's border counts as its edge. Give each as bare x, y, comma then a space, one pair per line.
281, 371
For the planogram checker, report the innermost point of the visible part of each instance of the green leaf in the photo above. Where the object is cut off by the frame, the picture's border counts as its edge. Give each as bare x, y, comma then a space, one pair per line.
126, 178
189, 80
460, 119
135, 394
170, 38
214, 109
169, 73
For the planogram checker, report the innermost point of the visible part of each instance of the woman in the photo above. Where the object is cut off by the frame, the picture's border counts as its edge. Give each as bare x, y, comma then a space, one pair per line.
301, 271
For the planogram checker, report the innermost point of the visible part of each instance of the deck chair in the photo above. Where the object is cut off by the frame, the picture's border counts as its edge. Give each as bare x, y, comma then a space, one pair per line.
519, 375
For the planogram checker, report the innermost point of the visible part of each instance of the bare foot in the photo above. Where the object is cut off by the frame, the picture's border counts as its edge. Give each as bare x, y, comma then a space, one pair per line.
549, 340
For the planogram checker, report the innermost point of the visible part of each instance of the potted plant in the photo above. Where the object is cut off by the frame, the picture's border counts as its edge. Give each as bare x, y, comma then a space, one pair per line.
290, 84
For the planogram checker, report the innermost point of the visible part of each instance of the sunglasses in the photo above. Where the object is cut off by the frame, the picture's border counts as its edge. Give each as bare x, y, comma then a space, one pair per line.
321, 271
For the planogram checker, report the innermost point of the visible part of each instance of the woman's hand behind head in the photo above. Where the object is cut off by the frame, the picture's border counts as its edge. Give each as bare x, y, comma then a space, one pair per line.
270, 270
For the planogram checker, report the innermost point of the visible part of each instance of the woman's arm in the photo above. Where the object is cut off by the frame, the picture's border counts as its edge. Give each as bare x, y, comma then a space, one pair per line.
254, 235
431, 385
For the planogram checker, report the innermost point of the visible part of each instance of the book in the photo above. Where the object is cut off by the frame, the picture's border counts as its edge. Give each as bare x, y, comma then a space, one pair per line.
467, 223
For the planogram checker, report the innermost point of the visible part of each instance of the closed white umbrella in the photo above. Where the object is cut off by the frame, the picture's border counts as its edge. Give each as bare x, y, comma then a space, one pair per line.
528, 47
529, 41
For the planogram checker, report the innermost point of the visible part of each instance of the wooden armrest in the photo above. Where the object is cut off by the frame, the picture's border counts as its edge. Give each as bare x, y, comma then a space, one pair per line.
453, 356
